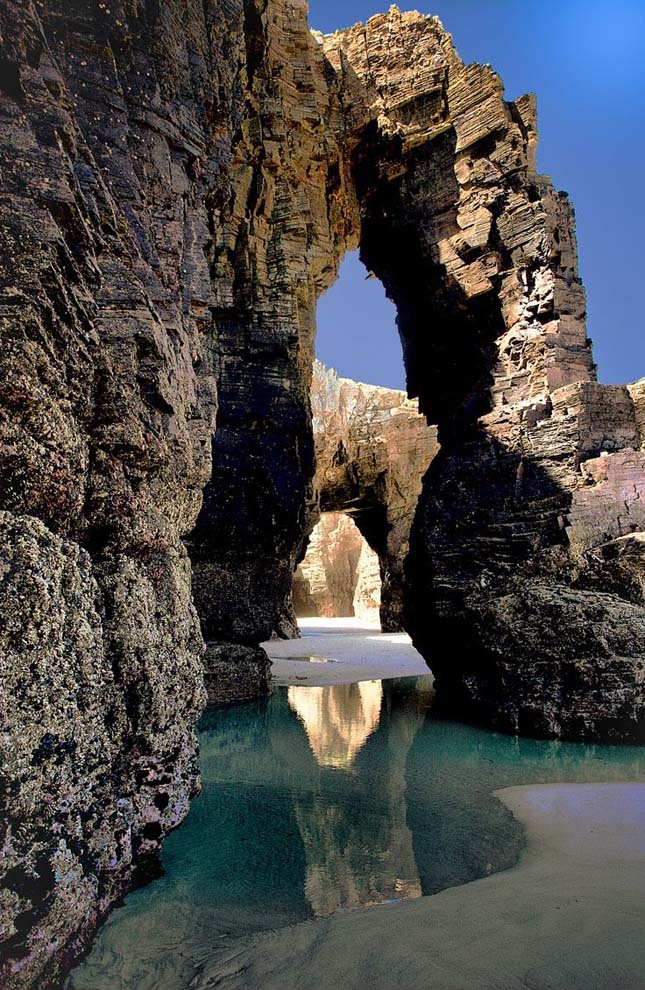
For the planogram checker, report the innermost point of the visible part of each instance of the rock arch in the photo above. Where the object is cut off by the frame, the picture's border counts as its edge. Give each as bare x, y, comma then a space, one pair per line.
372, 449
340, 574
424, 164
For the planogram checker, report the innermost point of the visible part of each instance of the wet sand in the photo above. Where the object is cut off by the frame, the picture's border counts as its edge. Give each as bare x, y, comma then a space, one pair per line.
359, 651
569, 916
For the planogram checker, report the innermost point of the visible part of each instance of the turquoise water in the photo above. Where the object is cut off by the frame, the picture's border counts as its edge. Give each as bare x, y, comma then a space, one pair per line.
320, 800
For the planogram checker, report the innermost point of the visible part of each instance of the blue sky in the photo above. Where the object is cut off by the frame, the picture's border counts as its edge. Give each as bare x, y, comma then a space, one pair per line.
585, 59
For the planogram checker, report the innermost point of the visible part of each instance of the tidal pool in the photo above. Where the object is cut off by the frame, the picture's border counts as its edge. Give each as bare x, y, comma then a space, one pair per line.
320, 800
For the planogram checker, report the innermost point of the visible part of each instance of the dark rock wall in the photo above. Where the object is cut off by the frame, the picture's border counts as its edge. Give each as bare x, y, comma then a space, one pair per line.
281, 237
519, 547
114, 136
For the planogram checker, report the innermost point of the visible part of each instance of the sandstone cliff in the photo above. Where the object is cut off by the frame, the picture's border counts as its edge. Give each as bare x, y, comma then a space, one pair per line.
372, 449
179, 183
340, 574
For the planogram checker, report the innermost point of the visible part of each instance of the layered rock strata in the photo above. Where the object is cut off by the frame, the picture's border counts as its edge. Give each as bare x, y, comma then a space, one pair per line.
108, 155
372, 449
340, 574
179, 182
536, 537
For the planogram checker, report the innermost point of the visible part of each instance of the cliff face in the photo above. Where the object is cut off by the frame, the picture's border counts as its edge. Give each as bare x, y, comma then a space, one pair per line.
534, 528
279, 237
340, 573
372, 449
180, 181
109, 158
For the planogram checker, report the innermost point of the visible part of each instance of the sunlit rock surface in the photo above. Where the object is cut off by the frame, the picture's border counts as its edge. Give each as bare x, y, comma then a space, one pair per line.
340, 574
372, 449
367, 594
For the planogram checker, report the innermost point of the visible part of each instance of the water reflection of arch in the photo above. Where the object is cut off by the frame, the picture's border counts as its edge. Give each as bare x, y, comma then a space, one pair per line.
338, 719
358, 847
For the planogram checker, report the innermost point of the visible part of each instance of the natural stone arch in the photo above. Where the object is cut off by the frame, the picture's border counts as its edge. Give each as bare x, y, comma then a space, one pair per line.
422, 161
372, 449
175, 202
340, 574
478, 253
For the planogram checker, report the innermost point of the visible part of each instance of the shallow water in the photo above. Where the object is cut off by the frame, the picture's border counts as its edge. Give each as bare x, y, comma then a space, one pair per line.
320, 800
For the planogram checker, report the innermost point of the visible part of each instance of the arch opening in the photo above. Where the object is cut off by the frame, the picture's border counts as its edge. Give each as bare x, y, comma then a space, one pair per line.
356, 332
372, 449
340, 575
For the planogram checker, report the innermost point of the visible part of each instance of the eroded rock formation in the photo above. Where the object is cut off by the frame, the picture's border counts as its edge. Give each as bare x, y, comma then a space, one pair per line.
109, 154
340, 574
180, 181
372, 449
535, 529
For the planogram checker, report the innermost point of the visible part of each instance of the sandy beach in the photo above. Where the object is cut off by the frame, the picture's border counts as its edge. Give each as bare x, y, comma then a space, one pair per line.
355, 650
569, 916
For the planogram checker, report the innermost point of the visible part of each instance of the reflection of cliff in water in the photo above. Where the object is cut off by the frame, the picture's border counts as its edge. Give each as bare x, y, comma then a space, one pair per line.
276, 836
338, 719
345, 868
